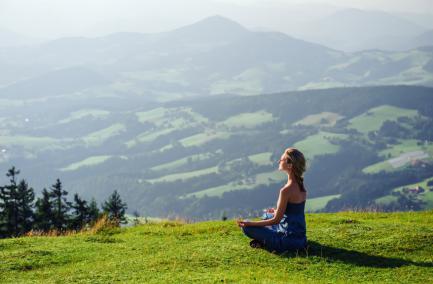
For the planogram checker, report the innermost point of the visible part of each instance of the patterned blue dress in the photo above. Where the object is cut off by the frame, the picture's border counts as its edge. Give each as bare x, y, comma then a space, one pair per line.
289, 234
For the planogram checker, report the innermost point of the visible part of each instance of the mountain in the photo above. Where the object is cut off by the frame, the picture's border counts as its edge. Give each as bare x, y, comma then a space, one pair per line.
213, 56
54, 83
11, 39
356, 30
424, 39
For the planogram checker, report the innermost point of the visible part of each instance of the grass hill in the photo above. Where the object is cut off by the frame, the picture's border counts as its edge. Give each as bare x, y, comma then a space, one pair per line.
343, 247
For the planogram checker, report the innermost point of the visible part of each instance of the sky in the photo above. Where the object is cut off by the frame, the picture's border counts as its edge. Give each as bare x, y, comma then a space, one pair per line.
47, 19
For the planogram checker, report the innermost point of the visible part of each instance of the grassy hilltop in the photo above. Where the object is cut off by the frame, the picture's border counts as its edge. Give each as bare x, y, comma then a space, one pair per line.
343, 247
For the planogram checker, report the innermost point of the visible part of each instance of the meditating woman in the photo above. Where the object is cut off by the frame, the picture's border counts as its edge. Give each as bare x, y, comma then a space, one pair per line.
285, 228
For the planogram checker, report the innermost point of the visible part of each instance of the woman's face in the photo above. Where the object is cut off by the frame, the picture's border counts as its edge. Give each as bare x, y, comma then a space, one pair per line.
282, 164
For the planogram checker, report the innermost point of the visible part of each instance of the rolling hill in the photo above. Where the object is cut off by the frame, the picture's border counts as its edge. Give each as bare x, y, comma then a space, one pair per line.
201, 156
213, 56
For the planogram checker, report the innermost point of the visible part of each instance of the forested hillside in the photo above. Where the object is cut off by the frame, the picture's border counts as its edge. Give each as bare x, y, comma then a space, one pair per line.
369, 147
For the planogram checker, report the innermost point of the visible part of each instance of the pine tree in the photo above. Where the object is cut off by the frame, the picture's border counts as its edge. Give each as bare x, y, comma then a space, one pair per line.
43, 213
25, 198
115, 208
93, 211
8, 206
80, 215
60, 206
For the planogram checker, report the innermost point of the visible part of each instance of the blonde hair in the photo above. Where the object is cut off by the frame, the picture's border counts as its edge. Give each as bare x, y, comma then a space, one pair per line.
297, 160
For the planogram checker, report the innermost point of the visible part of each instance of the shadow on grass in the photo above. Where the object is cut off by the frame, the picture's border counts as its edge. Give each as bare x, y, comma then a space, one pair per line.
353, 257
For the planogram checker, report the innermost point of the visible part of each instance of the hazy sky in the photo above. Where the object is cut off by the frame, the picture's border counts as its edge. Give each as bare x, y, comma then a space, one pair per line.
57, 18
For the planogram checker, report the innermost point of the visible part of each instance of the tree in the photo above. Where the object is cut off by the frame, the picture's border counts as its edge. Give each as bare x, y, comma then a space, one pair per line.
115, 208
93, 211
60, 206
80, 215
8, 206
24, 199
43, 213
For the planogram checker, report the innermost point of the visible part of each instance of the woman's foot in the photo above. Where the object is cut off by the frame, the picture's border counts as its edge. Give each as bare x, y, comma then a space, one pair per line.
256, 244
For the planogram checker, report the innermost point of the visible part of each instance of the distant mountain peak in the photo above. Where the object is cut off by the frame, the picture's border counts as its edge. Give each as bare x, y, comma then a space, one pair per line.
215, 26
219, 20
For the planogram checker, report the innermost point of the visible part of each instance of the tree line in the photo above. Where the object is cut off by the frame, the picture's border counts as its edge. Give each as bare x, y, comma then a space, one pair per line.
20, 213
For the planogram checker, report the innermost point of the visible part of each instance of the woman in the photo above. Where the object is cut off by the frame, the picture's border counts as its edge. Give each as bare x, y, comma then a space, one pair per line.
286, 228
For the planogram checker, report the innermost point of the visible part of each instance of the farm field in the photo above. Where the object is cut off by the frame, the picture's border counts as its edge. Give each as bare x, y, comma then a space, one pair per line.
319, 144
244, 184
373, 119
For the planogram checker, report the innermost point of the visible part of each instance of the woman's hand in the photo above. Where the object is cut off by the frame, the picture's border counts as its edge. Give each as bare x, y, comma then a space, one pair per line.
270, 210
243, 223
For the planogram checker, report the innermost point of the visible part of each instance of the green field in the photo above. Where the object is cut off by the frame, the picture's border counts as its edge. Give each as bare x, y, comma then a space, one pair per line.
249, 82
98, 137
94, 113
249, 183
320, 119
88, 162
393, 151
373, 119
407, 145
378, 167
261, 159
152, 116
247, 120
180, 162
148, 136
318, 203
203, 138
426, 196
342, 247
319, 144
174, 117
185, 175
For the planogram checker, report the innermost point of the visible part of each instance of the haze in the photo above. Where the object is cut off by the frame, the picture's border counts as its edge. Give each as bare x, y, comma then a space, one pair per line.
48, 19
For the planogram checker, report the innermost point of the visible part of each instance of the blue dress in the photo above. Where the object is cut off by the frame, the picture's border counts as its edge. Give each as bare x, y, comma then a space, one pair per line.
289, 234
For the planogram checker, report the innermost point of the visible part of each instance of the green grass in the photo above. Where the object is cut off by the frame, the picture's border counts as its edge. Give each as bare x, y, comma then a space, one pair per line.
248, 119
244, 184
249, 82
407, 145
98, 137
319, 144
95, 113
148, 137
393, 151
261, 159
171, 117
152, 115
88, 162
343, 248
426, 196
320, 119
378, 167
185, 175
318, 203
203, 138
181, 162
373, 119
385, 200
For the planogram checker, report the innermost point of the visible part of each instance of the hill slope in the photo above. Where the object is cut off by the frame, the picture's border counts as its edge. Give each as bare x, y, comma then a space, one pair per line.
186, 158
354, 247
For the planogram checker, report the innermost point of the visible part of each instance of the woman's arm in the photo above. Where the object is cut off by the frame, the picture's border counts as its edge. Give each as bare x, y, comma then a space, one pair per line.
283, 198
